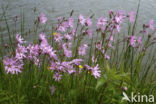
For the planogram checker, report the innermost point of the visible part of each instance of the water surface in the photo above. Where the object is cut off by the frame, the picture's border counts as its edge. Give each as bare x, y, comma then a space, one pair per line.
56, 8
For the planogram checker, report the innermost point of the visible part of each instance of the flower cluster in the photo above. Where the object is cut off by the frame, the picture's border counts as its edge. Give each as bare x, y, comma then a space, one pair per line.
94, 70
68, 54
133, 40
35, 52
69, 67
12, 65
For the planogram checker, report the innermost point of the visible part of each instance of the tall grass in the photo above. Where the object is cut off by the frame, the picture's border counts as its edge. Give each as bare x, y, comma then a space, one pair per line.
123, 67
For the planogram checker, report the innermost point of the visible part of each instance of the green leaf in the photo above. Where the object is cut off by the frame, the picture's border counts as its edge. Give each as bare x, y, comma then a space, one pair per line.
100, 83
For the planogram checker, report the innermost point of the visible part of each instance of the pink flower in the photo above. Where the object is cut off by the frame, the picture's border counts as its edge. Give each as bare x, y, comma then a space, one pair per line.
151, 24
42, 18
67, 52
110, 45
58, 37
71, 71
46, 48
96, 72
101, 23
88, 22
103, 51
49, 51
107, 57
139, 40
74, 32
70, 22
20, 52
68, 36
132, 41
33, 51
118, 28
57, 76
62, 27
93, 59
60, 66
12, 66
76, 61
90, 33
111, 38
99, 45
53, 66
82, 49
110, 13
147, 32
82, 20
131, 16
119, 17
19, 39
59, 19
43, 39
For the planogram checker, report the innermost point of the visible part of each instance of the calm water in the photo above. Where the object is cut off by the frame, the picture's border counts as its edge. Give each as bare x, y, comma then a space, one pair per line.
56, 8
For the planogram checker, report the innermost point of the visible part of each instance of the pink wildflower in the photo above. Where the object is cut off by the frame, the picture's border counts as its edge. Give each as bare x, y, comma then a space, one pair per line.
132, 41
99, 45
151, 24
46, 48
139, 40
42, 18
12, 66
111, 38
119, 17
107, 57
88, 22
58, 37
61, 27
19, 39
131, 16
67, 52
82, 49
118, 28
76, 61
90, 33
57, 76
147, 32
59, 19
71, 71
110, 45
68, 36
82, 20
20, 52
70, 22
93, 59
101, 23
96, 72
33, 51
